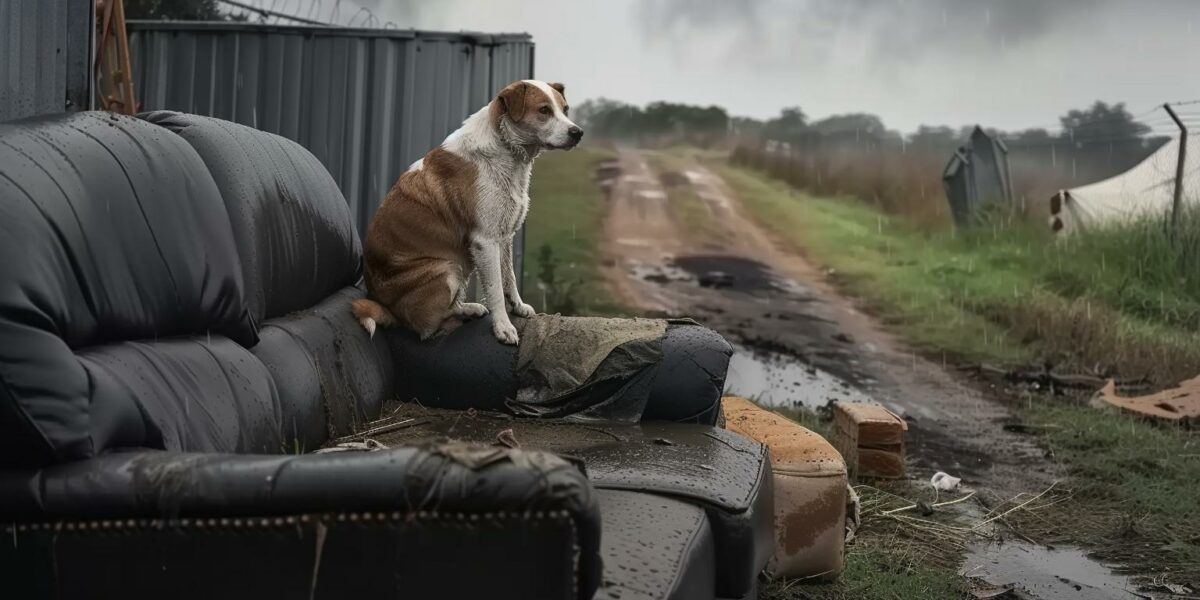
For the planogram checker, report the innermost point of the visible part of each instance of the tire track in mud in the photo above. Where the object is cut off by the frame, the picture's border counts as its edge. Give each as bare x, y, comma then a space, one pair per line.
799, 341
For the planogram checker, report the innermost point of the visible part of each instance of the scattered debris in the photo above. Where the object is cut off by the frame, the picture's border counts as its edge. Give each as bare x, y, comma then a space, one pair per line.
1170, 588
1046, 378
367, 445
663, 442
853, 513
843, 338
944, 482
507, 438
870, 438
390, 427
989, 592
927, 509
1178, 404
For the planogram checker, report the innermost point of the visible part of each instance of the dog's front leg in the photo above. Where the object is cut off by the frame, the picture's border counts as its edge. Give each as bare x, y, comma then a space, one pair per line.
512, 296
487, 254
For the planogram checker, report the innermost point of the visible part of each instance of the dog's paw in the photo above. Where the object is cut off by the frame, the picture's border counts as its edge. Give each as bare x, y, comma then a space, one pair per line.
470, 310
522, 310
505, 332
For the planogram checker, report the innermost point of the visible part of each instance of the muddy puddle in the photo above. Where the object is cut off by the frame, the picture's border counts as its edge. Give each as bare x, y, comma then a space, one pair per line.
733, 272
774, 379
1046, 574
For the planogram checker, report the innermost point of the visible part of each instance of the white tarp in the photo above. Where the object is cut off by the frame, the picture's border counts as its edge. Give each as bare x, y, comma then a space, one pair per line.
1146, 189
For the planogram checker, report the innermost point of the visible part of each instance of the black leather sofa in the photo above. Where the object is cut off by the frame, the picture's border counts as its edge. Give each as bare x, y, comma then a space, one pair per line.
175, 341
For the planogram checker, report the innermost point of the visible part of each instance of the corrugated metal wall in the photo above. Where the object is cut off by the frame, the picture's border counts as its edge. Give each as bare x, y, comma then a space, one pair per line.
366, 102
45, 56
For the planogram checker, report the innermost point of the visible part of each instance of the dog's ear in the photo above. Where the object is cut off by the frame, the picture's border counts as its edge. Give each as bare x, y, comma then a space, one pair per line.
512, 100
562, 89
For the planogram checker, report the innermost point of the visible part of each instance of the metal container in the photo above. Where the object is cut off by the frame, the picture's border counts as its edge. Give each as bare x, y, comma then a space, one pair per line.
45, 57
366, 102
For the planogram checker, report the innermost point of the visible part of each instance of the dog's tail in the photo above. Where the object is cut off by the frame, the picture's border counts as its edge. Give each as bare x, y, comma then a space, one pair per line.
370, 314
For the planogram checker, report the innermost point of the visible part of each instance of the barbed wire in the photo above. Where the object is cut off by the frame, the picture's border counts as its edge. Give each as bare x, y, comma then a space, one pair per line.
364, 16
266, 12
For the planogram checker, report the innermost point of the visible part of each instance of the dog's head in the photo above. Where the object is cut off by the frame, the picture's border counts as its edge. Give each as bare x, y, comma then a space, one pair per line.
534, 113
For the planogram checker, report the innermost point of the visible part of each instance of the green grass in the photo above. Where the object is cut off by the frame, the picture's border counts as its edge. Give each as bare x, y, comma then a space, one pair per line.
1121, 299
877, 569
1132, 497
1004, 293
566, 214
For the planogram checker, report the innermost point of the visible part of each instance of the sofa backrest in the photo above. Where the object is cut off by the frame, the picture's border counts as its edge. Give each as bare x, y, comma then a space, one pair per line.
292, 225
139, 267
300, 254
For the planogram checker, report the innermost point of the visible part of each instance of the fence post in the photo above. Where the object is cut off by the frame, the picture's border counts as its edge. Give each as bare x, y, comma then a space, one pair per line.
1183, 135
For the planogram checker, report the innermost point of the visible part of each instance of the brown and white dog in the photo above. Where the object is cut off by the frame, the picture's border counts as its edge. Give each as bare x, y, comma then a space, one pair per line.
455, 211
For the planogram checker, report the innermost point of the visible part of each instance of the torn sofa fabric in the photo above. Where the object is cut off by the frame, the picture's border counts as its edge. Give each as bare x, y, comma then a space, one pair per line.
579, 367
586, 366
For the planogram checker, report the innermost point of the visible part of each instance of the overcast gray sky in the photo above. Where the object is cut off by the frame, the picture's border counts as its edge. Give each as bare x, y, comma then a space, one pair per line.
1004, 63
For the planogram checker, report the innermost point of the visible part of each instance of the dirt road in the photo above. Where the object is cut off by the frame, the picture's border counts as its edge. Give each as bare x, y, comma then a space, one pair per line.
678, 242
800, 342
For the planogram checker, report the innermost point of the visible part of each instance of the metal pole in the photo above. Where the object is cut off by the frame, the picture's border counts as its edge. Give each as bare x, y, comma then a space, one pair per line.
1183, 136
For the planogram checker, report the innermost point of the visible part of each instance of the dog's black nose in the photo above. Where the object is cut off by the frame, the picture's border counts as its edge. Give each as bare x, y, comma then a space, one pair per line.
575, 133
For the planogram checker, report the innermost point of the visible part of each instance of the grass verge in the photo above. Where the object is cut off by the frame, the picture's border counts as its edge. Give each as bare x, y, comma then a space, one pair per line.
562, 233
1005, 294
1132, 497
1009, 296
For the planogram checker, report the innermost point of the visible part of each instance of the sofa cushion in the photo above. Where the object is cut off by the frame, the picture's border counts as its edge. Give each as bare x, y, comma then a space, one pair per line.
726, 474
198, 394
331, 376
292, 225
810, 486
654, 548
685, 385
110, 231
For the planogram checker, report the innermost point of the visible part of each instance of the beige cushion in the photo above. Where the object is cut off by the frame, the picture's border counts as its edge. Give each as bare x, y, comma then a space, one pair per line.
810, 491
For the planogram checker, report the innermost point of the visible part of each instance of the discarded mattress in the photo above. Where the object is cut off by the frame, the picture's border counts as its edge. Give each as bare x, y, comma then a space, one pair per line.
1179, 404
1148, 189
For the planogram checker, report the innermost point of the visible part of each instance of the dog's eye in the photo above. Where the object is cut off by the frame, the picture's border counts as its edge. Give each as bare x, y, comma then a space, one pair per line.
566, 110
545, 110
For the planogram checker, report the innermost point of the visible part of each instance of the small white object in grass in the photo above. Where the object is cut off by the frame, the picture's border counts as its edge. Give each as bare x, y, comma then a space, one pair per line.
944, 482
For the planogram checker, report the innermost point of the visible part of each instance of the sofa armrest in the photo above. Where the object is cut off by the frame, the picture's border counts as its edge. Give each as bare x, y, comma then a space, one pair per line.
434, 521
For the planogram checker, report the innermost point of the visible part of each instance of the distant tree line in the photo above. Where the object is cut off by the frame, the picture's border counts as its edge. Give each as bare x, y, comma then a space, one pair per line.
656, 122
1088, 143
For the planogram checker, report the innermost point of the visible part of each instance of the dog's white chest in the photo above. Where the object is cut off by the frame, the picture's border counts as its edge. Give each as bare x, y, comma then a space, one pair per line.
503, 199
